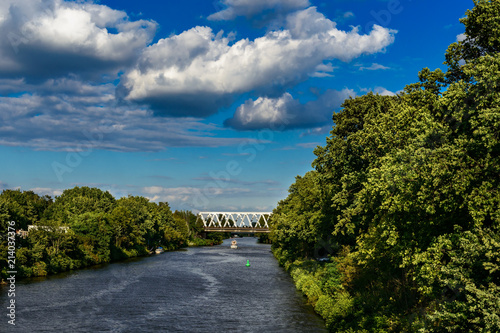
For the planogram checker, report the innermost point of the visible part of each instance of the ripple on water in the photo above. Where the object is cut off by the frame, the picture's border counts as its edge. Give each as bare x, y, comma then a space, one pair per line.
205, 289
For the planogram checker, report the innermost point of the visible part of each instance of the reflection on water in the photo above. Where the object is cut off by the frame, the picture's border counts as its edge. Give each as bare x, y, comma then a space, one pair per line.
207, 289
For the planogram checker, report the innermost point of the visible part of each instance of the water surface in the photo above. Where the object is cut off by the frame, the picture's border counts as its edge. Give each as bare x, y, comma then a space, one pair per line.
205, 289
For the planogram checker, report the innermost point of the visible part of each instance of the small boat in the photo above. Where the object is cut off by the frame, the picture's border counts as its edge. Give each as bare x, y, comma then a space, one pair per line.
159, 250
234, 244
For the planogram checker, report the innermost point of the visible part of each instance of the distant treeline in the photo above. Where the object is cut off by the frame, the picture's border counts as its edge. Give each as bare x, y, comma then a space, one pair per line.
101, 229
405, 201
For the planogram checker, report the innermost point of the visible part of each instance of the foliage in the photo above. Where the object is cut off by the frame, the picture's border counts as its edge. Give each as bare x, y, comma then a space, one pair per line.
263, 238
188, 222
196, 241
322, 286
79, 200
405, 199
100, 229
295, 219
217, 237
24, 207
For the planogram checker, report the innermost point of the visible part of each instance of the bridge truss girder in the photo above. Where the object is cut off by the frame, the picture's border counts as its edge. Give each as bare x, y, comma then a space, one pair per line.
235, 221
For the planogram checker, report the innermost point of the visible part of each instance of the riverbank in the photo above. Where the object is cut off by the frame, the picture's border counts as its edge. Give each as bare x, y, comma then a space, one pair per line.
196, 242
320, 283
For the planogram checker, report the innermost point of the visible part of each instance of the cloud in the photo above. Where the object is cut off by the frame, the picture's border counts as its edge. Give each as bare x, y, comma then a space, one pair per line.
256, 8
384, 92
49, 39
308, 145
348, 14
52, 192
323, 70
47, 191
301, 145
189, 194
285, 112
461, 37
59, 61
373, 67
379, 90
190, 198
317, 131
237, 181
69, 115
211, 197
197, 72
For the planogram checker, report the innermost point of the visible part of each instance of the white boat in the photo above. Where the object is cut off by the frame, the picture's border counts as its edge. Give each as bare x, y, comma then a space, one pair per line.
159, 250
234, 244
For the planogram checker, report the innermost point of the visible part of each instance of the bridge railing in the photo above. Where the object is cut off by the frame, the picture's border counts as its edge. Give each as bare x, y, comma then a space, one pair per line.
227, 221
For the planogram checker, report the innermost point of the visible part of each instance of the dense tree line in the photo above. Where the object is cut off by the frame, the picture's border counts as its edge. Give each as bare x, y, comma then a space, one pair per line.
405, 199
100, 229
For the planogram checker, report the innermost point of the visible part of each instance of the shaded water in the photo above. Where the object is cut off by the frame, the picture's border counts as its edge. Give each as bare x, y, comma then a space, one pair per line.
206, 289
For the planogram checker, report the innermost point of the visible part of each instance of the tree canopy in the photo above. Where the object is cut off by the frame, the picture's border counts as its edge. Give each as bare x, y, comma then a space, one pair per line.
405, 198
87, 226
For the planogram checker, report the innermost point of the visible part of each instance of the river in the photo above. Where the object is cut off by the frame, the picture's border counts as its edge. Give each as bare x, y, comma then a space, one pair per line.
203, 289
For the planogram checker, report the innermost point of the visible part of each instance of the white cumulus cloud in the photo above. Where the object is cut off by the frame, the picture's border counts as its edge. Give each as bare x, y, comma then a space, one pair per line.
285, 112
384, 92
196, 72
43, 39
379, 90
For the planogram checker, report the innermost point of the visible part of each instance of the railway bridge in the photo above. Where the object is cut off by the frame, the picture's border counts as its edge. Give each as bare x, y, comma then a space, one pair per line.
249, 222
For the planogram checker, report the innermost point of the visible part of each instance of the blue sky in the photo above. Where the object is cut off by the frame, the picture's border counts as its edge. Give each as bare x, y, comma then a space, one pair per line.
209, 105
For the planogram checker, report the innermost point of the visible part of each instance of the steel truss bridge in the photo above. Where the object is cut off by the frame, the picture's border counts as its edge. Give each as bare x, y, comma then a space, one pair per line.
235, 221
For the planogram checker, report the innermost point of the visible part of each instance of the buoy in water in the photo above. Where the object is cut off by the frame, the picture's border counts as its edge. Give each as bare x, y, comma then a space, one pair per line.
248, 263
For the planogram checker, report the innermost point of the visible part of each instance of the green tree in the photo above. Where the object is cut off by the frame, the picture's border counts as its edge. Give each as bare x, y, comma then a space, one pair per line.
406, 190
80, 200
482, 37
25, 207
195, 225
174, 228
94, 233
295, 222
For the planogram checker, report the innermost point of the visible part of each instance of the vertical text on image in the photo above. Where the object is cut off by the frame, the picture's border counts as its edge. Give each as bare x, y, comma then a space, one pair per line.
11, 264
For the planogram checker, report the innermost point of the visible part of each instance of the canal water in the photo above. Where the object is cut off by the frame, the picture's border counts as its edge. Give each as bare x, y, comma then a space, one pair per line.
204, 289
